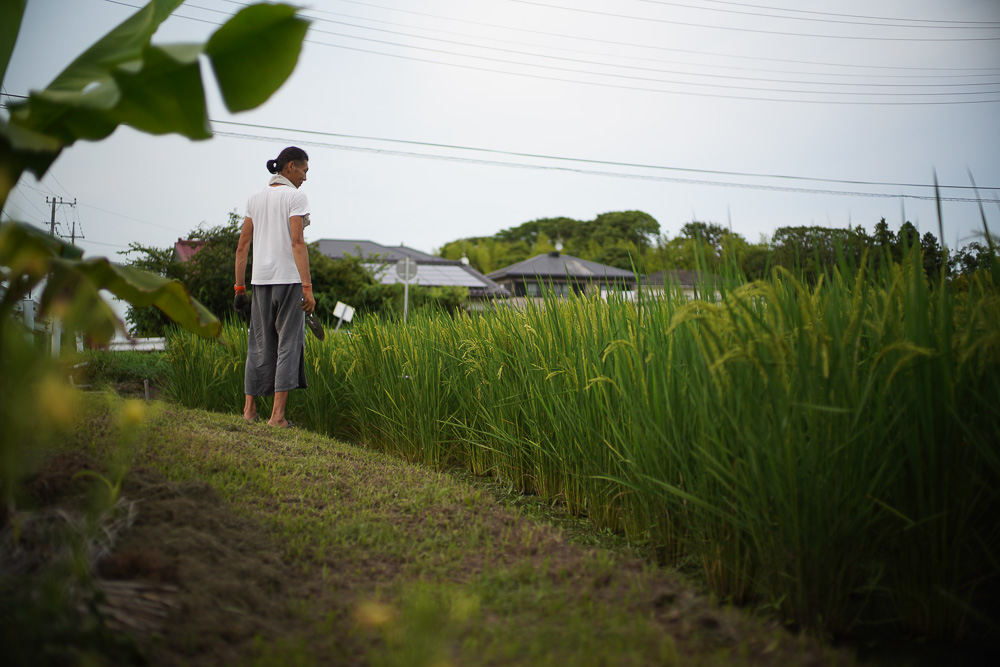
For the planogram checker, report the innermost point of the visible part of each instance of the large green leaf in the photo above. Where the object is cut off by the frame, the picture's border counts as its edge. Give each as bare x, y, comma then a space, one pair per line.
126, 43
11, 13
22, 149
255, 52
166, 95
124, 79
72, 289
142, 289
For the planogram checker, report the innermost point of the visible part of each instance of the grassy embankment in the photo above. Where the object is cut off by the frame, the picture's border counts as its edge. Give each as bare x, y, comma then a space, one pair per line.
828, 452
377, 561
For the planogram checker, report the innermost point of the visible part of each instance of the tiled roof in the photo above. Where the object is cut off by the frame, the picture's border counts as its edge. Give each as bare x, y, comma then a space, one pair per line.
432, 271
185, 249
339, 247
557, 265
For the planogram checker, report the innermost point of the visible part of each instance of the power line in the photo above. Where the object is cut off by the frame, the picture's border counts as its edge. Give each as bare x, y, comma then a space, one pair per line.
973, 25
757, 30
639, 88
556, 158
992, 73
668, 81
606, 163
29, 201
660, 90
10, 203
47, 191
113, 245
647, 46
51, 173
139, 220
591, 172
466, 35
806, 11
633, 67
594, 172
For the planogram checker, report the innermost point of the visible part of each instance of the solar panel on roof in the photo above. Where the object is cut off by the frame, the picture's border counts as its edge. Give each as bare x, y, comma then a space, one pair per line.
436, 275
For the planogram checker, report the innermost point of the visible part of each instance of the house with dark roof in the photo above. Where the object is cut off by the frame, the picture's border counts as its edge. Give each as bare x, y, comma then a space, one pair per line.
562, 275
432, 271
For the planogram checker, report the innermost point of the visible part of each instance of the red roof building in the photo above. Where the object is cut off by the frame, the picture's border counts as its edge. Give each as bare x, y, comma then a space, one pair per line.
185, 249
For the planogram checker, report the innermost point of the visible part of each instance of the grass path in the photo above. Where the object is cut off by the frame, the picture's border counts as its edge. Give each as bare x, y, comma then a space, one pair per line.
290, 548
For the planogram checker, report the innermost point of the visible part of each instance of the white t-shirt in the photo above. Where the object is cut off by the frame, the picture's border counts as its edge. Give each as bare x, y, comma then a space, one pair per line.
270, 210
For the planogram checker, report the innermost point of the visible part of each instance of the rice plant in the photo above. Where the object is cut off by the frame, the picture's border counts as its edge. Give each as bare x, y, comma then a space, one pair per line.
827, 450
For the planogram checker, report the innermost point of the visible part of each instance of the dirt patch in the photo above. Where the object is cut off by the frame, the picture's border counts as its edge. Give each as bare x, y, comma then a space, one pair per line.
58, 480
191, 582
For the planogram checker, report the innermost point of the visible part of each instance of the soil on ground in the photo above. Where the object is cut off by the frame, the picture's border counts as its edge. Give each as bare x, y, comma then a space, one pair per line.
188, 580
191, 583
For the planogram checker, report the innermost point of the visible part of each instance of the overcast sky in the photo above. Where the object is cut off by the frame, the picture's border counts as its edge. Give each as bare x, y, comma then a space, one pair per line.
716, 111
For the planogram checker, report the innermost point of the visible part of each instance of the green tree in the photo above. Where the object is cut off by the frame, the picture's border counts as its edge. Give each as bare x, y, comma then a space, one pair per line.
907, 238
542, 245
622, 255
972, 257
210, 274
678, 253
450, 299
557, 229
883, 244
756, 261
486, 254
634, 227
933, 256
590, 239
811, 251
709, 233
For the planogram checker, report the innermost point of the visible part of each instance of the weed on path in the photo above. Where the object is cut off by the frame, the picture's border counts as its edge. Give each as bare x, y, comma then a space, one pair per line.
289, 548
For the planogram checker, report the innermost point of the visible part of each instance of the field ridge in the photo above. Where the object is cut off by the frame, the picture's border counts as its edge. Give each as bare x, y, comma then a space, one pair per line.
288, 547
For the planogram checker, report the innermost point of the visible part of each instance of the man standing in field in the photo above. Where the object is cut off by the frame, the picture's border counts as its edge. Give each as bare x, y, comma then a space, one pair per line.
282, 289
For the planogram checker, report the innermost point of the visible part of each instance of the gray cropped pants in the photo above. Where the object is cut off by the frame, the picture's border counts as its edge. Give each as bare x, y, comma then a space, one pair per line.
276, 346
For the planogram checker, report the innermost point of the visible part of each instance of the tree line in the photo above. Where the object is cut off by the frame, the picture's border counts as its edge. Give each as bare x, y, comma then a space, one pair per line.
632, 240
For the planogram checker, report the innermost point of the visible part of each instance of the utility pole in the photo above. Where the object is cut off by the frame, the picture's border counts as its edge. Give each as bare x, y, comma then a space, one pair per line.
52, 224
55, 325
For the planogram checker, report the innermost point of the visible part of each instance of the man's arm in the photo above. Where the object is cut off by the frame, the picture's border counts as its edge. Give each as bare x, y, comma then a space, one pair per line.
243, 250
300, 251
241, 302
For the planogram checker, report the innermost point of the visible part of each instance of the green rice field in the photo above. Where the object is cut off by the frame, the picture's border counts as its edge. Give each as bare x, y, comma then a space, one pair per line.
827, 451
